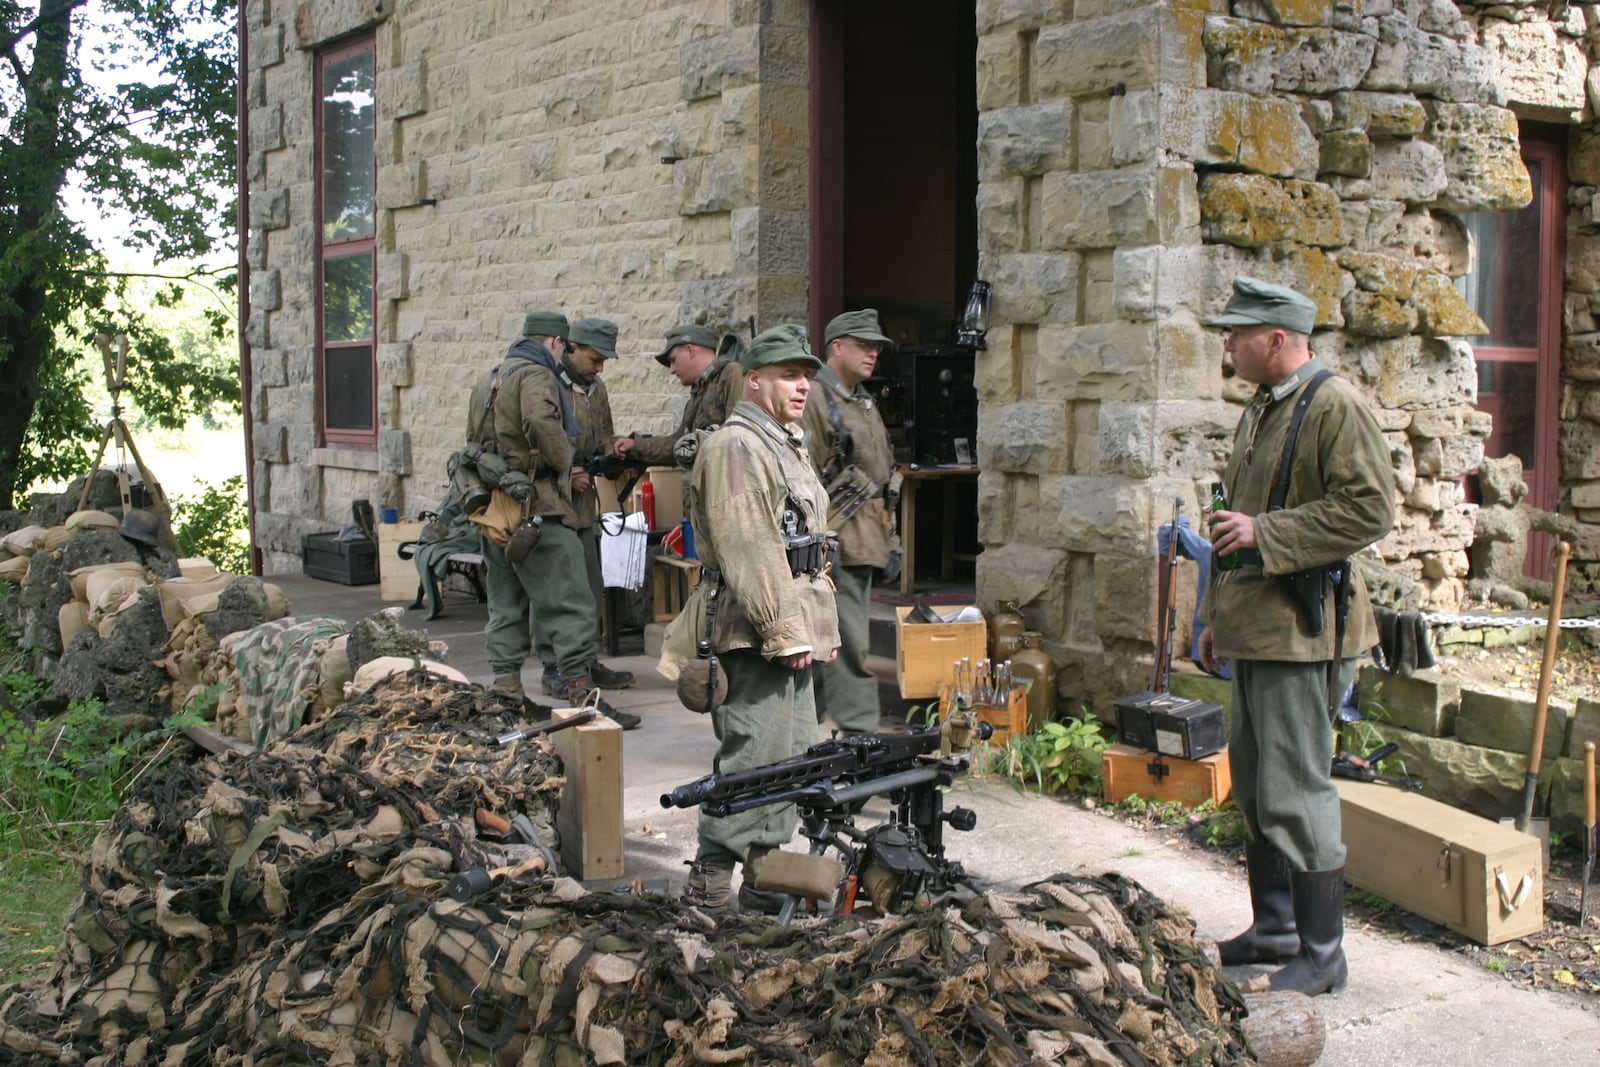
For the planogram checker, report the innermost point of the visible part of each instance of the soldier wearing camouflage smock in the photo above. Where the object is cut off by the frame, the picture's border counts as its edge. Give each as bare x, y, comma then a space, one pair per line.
591, 343
715, 386
1340, 499
760, 519
850, 447
519, 411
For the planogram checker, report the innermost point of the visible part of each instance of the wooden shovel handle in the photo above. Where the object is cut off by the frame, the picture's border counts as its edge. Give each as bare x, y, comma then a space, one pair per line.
1552, 635
1588, 785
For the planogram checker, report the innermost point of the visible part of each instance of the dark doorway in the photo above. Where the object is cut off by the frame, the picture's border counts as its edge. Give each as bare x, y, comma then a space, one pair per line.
894, 181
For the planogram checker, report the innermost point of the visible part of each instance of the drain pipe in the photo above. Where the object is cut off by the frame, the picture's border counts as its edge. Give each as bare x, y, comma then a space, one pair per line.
242, 225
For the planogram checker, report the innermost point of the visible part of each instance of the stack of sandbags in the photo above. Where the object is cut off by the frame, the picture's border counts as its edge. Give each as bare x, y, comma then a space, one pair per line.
16, 552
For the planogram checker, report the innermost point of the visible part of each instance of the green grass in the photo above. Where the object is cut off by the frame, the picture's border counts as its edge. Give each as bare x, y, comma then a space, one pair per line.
38, 888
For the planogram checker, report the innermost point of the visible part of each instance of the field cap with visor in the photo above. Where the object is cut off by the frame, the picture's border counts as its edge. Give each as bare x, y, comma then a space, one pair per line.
691, 334
545, 324
1258, 303
781, 344
862, 325
598, 334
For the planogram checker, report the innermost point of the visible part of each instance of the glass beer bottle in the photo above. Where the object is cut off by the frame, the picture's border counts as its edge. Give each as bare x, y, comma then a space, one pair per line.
1219, 502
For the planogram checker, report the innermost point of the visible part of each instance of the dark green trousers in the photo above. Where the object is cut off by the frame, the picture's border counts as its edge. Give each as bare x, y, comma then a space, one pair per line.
769, 716
846, 690
542, 644
552, 582
1280, 750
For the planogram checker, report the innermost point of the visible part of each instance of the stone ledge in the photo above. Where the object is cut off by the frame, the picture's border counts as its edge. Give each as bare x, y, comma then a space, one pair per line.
352, 459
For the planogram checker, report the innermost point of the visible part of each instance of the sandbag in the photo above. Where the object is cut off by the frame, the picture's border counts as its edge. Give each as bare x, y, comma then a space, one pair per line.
196, 567
102, 574
22, 542
54, 537
90, 519
70, 619
105, 592
334, 668
176, 594
277, 601
377, 670
15, 569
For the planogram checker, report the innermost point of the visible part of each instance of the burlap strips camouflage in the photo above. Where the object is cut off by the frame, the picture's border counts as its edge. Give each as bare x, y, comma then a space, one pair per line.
290, 907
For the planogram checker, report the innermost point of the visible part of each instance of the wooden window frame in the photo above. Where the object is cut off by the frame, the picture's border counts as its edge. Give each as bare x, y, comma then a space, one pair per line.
338, 249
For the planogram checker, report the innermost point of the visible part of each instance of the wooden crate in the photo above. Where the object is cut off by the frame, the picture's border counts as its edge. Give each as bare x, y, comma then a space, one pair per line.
1129, 771
1482, 880
670, 583
925, 652
590, 816
1006, 719
397, 578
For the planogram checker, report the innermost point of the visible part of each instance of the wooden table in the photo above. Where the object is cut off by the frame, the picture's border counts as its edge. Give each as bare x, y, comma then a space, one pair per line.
912, 479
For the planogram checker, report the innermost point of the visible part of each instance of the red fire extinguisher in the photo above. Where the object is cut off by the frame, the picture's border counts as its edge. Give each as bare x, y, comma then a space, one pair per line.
647, 504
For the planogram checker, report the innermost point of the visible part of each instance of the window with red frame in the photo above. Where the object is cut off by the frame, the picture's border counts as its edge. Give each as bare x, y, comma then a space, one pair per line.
346, 179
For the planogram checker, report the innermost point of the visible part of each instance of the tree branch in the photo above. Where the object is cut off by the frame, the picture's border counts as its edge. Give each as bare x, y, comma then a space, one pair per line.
48, 11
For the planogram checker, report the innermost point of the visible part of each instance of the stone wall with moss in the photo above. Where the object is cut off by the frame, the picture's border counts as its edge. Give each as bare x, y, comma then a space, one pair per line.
1133, 159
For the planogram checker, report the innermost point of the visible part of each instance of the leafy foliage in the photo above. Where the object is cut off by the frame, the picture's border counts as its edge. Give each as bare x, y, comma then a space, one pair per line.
1060, 757
214, 523
133, 102
1210, 824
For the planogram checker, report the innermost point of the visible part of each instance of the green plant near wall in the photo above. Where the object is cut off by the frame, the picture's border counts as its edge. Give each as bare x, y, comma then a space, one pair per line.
1060, 757
214, 523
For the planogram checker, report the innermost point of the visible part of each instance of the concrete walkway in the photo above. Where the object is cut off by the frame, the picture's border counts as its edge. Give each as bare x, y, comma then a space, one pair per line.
1407, 1005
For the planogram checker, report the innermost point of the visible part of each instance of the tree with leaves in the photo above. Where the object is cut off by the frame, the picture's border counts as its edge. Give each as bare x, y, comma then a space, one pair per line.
131, 102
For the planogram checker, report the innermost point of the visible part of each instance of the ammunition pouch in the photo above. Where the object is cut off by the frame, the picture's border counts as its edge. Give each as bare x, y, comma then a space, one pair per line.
848, 492
807, 552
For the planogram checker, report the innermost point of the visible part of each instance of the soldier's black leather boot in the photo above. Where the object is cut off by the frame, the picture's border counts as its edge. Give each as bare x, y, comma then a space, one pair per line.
1319, 913
1271, 938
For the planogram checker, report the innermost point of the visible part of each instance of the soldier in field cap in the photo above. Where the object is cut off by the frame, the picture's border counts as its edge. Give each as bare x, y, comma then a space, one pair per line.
1292, 658
711, 373
850, 446
761, 518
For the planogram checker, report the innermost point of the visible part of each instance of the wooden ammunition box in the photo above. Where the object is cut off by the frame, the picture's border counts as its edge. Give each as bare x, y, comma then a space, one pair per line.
1128, 771
1191, 731
1482, 880
925, 652
397, 578
1010, 718
589, 819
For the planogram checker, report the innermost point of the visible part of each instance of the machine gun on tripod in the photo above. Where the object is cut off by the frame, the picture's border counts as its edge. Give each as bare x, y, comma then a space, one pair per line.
899, 863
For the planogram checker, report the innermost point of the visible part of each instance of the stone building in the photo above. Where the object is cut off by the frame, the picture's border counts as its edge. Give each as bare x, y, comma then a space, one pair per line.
418, 175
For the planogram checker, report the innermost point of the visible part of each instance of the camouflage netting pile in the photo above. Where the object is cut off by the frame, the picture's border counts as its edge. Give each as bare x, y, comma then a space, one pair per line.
291, 907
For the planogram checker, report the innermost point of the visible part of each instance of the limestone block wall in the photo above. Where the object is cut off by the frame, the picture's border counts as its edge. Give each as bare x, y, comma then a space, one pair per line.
1133, 159
641, 160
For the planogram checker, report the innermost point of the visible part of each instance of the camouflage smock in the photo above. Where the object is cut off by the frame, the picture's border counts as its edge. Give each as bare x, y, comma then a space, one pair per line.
742, 482
711, 397
525, 427
1341, 499
591, 406
867, 537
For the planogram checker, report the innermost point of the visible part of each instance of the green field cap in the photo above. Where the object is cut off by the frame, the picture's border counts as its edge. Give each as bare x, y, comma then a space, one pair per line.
1258, 303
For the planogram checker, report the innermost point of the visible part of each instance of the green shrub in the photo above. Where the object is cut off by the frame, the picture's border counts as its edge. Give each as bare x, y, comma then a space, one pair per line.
1060, 757
215, 523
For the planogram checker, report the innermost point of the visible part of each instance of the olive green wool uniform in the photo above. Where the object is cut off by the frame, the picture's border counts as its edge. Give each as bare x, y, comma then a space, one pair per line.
1341, 499
846, 689
711, 397
747, 474
528, 427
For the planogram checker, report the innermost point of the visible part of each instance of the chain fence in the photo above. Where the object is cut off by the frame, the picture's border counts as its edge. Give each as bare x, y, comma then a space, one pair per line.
1506, 621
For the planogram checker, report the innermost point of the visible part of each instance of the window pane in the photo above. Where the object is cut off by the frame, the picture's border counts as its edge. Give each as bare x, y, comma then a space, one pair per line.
347, 387
348, 123
347, 298
1508, 392
1503, 286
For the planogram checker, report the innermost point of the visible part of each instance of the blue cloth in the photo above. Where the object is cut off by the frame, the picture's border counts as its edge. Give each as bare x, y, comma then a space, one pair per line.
1191, 545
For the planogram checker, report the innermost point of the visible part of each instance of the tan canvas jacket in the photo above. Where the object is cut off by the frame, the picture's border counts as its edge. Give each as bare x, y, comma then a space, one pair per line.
711, 398
867, 537
743, 481
591, 406
525, 428
1341, 499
